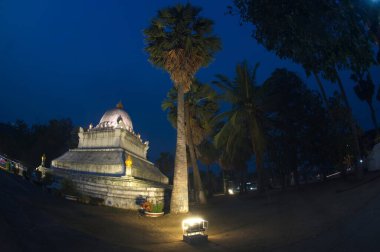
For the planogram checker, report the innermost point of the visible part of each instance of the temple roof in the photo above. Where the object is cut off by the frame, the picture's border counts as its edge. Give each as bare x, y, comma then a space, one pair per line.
106, 162
116, 117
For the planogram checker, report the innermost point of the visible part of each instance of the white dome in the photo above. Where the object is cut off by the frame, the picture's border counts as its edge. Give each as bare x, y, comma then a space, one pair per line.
116, 117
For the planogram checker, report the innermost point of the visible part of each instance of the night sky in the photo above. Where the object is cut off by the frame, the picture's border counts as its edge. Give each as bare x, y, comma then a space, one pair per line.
77, 59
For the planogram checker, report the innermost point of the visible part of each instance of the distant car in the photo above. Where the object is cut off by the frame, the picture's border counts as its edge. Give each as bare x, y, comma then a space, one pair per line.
251, 186
233, 189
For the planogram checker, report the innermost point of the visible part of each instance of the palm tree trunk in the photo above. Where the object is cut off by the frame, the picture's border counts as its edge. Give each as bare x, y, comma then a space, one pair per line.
199, 192
353, 126
259, 163
225, 190
373, 116
209, 182
358, 170
198, 188
321, 88
179, 202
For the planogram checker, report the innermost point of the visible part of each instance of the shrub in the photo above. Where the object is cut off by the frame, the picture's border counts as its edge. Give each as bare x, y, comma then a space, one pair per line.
68, 187
96, 201
149, 206
16, 171
84, 199
48, 179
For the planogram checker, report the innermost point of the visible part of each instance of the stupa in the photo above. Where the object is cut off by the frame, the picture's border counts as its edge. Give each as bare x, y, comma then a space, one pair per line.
111, 163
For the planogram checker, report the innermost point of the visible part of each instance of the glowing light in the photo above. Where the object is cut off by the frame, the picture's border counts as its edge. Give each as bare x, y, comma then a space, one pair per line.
328, 176
128, 162
194, 225
230, 191
361, 161
187, 223
194, 230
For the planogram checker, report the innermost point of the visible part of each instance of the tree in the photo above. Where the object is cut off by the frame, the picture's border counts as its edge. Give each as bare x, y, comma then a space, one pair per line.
200, 107
180, 41
208, 155
368, 12
323, 36
165, 162
297, 136
246, 119
27, 144
365, 89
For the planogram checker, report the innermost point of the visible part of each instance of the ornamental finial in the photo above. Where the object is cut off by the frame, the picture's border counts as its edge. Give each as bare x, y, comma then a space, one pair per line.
120, 105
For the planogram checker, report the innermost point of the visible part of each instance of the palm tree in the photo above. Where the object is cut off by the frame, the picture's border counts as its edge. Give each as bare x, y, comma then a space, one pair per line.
247, 117
180, 41
208, 155
200, 107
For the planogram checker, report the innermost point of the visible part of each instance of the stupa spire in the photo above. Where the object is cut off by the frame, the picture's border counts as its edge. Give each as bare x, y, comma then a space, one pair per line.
120, 105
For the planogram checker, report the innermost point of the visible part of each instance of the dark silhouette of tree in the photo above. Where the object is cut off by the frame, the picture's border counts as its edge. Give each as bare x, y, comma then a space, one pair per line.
165, 162
208, 156
245, 120
365, 89
323, 36
28, 144
297, 136
368, 12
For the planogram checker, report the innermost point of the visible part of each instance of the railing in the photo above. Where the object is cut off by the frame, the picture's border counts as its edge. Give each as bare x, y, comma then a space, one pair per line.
4, 159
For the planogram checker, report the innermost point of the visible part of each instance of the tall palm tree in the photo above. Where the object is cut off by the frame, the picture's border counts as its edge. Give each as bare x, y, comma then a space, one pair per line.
180, 41
200, 107
247, 117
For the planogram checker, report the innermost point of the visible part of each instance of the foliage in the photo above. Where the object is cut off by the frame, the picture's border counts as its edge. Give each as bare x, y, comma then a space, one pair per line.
180, 41
323, 36
84, 199
165, 163
365, 89
153, 207
297, 138
68, 187
246, 120
96, 201
16, 171
27, 143
48, 179
320, 35
209, 154
368, 11
201, 104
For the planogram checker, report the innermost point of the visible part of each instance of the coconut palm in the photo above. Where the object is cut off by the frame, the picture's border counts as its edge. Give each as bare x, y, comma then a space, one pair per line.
180, 41
247, 117
200, 107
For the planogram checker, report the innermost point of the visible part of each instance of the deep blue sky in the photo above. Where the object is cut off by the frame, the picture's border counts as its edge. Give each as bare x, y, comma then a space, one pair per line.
76, 59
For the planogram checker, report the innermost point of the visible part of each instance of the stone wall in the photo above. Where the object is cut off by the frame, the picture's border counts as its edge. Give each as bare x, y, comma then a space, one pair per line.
113, 138
121, 192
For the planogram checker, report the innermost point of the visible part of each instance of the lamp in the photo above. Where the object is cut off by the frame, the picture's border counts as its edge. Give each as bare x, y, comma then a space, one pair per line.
194, 230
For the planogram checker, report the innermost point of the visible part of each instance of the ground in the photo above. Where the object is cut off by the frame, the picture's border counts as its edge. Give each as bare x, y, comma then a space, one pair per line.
335, 216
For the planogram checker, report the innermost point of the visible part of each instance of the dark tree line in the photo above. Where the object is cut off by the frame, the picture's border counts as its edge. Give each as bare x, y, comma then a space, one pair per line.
28, 143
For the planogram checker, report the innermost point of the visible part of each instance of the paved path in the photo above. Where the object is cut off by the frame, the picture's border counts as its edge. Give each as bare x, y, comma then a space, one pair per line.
358, 232
316, 219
